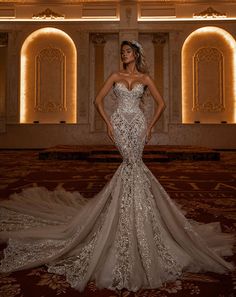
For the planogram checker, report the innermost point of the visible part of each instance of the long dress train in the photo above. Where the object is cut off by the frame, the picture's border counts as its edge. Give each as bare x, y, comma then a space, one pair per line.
130, 235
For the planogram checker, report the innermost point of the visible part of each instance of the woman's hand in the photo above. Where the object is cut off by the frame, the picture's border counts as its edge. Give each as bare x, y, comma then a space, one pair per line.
148, 135
110, 132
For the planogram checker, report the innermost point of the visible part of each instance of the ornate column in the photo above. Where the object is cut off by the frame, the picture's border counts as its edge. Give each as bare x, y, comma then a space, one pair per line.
15, 39
128, 25
159, 40
3, 73
83, 77
99, 43
176, 40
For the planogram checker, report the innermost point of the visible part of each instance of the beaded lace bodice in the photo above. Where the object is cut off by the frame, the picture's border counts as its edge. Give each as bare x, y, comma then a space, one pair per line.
128, 100
128, 121
130, 235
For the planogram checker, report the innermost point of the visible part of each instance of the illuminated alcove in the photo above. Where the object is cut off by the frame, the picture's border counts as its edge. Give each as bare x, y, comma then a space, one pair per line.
208, 76
48, 77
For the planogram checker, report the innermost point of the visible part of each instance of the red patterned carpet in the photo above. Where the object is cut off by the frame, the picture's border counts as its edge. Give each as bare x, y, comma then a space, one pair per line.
205, 189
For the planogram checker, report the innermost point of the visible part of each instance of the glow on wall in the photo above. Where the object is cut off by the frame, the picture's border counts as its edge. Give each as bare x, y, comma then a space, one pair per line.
48, 78
208, 76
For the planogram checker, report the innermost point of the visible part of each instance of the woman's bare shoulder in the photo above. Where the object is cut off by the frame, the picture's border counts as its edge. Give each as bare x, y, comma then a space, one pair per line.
115, 74
147, 78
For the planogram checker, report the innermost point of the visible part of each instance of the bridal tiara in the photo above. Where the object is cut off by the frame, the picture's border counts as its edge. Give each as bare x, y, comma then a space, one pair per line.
136, 43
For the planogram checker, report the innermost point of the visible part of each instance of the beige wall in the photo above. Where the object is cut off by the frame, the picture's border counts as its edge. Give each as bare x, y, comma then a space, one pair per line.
97, 44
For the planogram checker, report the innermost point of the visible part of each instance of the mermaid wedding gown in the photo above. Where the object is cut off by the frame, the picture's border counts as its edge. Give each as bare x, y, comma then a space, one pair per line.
130, 235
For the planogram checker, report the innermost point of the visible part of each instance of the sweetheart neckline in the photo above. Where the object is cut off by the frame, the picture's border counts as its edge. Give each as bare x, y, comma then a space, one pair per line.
134, 85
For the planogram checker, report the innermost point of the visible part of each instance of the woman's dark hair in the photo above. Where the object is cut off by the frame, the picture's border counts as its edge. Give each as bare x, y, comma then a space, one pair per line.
139, 55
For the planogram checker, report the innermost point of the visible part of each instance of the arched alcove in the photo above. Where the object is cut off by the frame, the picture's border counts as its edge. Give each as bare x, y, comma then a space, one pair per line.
48, 77
208, 76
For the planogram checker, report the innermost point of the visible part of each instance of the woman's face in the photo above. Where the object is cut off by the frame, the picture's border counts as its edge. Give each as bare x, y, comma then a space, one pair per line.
127, 54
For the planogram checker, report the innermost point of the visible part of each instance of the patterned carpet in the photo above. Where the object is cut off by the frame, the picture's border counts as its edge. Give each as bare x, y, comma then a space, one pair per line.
205, 189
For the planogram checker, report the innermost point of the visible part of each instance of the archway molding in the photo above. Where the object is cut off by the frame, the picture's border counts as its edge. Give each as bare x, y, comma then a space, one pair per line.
209, 76
48, 92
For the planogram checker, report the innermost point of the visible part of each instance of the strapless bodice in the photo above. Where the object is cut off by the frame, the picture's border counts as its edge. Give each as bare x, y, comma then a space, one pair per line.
128, 100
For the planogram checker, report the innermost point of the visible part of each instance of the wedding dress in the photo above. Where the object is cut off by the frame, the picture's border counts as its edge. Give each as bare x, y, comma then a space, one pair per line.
130, 235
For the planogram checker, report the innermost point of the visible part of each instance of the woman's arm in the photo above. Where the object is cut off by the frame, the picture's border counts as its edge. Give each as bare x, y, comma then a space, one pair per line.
99, 102
159, 102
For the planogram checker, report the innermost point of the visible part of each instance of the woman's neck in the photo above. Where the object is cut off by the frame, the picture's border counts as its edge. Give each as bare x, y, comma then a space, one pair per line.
131, 68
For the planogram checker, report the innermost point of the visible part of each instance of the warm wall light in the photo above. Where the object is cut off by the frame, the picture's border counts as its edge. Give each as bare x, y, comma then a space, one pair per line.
28, 84
230, 42
23, 89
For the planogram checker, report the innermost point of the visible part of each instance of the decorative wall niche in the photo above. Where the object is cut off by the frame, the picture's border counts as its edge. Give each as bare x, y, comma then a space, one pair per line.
48, 78
208, 77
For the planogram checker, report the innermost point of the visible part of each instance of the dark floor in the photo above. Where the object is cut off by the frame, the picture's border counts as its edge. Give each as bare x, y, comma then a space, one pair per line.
205, 189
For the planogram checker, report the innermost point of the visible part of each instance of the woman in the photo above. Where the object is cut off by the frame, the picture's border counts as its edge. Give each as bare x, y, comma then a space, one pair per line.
134, 72
131, 234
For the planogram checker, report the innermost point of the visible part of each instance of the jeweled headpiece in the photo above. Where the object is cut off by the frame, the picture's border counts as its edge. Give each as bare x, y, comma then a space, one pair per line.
137, 44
